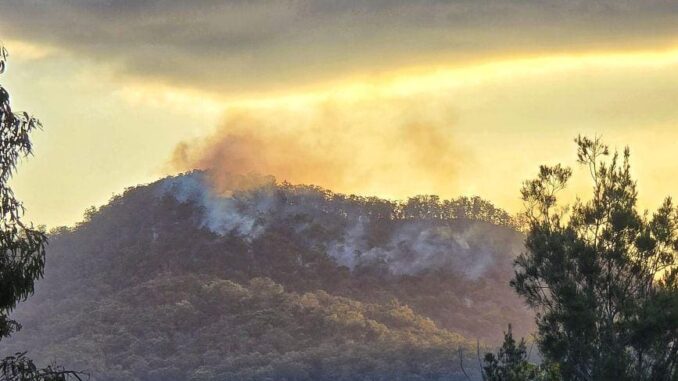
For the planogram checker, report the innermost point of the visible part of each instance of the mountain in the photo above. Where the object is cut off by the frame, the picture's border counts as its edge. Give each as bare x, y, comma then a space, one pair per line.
180, 280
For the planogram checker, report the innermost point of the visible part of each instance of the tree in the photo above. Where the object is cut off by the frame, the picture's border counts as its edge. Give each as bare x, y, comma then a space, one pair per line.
22, 247
601, 276
511, 364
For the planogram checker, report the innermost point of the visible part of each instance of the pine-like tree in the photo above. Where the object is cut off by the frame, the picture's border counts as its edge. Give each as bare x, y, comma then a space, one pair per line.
601, 275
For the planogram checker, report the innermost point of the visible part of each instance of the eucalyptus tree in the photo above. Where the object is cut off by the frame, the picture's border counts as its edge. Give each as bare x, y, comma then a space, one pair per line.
22, 247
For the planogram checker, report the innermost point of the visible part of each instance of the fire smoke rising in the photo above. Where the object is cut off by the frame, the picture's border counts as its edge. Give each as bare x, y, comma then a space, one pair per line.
389, 147
412, 246
374, 145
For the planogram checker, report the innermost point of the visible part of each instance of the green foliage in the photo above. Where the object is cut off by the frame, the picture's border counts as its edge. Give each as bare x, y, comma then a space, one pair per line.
21, 368
22, 247
205, 328
471, 208
511, 364
601, 276
141, 292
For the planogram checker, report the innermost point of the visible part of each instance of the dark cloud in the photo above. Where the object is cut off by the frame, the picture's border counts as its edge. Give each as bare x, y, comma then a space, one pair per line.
253, 45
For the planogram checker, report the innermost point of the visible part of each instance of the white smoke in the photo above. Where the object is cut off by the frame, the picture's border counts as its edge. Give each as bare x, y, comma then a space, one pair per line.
410, 247
222, 214
347, 251
417, 247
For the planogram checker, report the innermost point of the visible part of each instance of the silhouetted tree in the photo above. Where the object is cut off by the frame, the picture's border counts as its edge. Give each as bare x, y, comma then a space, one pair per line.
22, 247
601, 276
511, 364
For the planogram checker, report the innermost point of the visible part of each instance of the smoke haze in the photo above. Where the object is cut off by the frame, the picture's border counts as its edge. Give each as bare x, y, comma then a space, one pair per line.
411, 246
346, 146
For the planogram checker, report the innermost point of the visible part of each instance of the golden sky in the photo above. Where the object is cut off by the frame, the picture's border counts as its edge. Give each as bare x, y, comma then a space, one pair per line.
387, 98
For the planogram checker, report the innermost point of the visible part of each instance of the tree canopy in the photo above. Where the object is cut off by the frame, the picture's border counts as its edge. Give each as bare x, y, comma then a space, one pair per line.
601, 275
22, 247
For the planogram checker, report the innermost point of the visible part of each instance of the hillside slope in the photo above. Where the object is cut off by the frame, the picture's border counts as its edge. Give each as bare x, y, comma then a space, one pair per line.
173, 281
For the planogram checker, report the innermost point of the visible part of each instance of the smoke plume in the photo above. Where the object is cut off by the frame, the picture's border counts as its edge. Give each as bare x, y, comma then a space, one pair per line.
386, 147
373, 145
410, 246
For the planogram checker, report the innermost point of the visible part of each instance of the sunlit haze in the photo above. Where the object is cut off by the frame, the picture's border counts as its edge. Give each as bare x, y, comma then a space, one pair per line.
392, 99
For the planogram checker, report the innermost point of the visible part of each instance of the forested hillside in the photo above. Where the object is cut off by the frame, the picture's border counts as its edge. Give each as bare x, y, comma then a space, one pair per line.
175, 281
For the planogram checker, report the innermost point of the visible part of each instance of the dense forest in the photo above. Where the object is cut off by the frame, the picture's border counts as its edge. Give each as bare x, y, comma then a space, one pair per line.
173, 281
223, 273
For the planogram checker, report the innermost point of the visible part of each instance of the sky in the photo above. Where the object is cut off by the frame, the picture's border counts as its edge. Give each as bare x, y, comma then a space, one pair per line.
386, 97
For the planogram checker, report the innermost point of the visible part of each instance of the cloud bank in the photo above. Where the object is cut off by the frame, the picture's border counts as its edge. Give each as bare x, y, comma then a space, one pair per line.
119, 83
237, 46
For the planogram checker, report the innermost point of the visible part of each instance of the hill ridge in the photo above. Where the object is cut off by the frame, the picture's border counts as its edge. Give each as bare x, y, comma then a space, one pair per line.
104, 275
